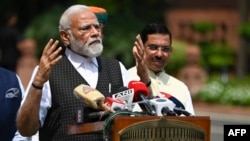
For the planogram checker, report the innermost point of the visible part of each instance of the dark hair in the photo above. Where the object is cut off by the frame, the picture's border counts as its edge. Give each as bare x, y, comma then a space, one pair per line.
155, 28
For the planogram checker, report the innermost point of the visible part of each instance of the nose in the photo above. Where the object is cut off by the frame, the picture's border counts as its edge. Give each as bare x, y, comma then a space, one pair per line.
159, 52
94, 31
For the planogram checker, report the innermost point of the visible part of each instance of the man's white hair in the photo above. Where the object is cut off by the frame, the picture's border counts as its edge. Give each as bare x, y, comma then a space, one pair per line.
65, 22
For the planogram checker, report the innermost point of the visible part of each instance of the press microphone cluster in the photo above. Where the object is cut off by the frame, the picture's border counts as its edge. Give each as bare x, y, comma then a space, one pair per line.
132, 99
93, 98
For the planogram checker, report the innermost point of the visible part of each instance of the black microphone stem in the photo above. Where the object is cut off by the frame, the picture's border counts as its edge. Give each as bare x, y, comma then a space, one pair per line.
147, 105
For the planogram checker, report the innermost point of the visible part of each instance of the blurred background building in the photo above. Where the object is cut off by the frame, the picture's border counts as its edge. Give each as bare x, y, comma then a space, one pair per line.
220, 28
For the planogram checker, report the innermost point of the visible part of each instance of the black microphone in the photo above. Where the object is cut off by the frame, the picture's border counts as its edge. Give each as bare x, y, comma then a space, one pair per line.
180, 111
99, 114
167, 112
140, 93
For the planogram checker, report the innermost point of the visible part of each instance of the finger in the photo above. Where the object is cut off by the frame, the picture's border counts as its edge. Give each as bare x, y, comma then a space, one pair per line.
55, 54
48, 45
56, 60
137, 55
53, 47
139, 41
139, 45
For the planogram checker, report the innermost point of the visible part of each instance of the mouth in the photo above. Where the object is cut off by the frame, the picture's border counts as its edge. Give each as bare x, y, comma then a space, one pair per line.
158, 63
94, 42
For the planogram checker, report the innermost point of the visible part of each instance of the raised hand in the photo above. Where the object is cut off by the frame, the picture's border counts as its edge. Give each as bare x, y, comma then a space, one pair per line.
140, 55
50, 57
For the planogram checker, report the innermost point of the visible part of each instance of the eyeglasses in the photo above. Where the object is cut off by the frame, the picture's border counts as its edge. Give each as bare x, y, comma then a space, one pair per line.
88, 28
167, 49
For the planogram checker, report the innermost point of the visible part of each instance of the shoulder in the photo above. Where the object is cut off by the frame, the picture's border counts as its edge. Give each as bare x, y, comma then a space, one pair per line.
9, 77
132, 69
133, 72
7, 72
176, 81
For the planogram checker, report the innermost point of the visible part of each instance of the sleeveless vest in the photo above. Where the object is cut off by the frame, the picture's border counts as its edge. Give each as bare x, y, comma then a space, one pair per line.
10, 99
64, 78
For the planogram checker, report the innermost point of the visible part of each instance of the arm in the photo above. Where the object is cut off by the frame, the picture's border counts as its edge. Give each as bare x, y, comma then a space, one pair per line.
28, 114
142, 70
189, 105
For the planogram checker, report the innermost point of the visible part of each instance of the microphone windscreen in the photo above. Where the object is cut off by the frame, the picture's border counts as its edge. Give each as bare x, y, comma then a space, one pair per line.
91, 96
139, 88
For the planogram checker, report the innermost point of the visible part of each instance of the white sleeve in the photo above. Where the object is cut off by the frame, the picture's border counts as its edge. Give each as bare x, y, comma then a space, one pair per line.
18, 137
21, 85
189, 106
126, 77
45, 103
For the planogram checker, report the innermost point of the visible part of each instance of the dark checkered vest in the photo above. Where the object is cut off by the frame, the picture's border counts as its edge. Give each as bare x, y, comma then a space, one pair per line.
64, 78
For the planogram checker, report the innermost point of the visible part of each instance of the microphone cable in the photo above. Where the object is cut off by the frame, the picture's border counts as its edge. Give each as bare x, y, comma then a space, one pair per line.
110, 118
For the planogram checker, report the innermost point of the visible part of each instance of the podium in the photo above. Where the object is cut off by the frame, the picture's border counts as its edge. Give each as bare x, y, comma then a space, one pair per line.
151, 128
153, 125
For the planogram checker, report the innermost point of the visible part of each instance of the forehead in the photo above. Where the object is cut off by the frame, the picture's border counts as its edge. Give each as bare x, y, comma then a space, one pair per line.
158, 39
83, 17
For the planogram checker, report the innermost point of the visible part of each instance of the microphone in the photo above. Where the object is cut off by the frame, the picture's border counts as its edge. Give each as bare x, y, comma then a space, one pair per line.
172, 98
140, 93
115, 104
126, 95
180, 111
167, 112
99, 114
179, 108
91, 97
160, 103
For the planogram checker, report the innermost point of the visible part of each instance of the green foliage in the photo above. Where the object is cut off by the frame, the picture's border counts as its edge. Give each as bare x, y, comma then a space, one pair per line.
244, 30
177, 58
235, 92
217, 55
203, 26
44, 27
119, 38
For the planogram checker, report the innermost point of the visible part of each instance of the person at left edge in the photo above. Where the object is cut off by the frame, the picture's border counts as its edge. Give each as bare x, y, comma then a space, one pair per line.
11, 93
49, 104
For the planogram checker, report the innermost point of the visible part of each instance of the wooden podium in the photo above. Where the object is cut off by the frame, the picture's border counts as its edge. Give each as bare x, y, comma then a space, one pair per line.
127, 128
120, 123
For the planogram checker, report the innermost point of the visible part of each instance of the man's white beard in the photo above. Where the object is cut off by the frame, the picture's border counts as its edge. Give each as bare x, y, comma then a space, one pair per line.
86, 49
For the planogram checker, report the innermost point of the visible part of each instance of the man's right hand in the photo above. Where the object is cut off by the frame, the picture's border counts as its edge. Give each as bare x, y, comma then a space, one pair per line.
50, 57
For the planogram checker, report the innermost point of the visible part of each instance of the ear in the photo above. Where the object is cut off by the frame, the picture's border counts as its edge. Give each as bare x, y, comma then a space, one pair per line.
65, 37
